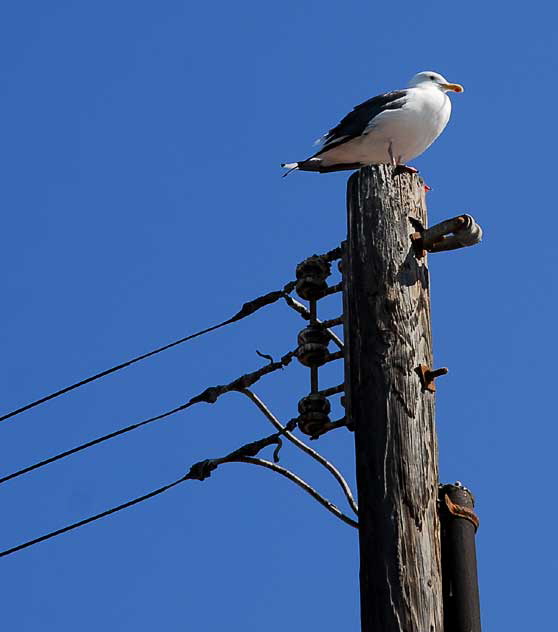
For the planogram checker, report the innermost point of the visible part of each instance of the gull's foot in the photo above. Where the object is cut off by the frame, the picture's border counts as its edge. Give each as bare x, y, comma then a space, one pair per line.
399, 169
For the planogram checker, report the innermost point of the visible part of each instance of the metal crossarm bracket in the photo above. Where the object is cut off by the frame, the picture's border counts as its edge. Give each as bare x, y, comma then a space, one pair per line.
458, 232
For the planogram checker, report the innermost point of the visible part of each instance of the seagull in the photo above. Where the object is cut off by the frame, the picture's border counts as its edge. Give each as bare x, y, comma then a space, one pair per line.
391, 128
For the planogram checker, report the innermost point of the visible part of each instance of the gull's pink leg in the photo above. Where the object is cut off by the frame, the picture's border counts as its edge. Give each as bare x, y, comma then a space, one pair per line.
392, 157
399, 169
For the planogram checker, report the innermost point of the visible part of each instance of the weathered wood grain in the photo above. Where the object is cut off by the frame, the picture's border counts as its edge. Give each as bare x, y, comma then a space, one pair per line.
387, 336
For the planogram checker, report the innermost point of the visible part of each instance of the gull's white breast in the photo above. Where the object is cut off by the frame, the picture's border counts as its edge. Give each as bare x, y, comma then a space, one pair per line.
422, 119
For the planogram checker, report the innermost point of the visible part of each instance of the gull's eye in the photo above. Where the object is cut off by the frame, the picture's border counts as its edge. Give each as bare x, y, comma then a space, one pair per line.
432, 77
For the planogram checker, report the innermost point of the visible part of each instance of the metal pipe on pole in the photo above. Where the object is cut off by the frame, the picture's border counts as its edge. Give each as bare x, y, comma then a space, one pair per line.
459, 559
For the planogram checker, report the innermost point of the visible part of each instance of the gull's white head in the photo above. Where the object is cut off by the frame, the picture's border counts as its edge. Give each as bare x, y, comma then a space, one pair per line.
429, 79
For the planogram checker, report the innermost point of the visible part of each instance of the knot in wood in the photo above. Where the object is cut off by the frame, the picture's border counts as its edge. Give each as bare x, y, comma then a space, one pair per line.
311, 275
313, 346
314, 412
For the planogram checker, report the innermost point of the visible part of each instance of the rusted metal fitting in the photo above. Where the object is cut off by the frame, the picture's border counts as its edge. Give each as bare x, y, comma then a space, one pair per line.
314, 412
458, 232
311, 275
427, 376
459, 509
461, 512
312, 346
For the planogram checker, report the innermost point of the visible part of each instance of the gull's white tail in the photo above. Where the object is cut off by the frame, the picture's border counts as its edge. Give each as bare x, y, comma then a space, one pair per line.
291, 166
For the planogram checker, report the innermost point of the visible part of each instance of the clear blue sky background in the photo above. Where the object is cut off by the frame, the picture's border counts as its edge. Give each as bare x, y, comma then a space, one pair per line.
142, 200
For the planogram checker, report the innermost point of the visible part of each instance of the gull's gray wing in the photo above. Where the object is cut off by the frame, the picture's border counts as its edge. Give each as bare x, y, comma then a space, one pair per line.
356, 122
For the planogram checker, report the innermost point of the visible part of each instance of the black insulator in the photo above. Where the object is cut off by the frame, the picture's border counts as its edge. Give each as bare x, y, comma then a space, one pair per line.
314, 412
312, 346
311, 277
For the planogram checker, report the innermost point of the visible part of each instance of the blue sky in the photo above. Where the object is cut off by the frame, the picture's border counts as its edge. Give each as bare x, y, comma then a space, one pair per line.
142, 200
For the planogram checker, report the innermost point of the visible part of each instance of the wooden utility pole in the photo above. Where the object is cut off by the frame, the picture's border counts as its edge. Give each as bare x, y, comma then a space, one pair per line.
387, 345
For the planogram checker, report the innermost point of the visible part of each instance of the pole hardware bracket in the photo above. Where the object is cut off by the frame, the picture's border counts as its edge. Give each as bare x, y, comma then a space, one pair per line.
330, 425
428, 375
458, 232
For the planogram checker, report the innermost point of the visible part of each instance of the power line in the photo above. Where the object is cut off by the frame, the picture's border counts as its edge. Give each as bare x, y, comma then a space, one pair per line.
246, 310
202, 470
91, 443
199, 471
209, 395
81, 523
113, 369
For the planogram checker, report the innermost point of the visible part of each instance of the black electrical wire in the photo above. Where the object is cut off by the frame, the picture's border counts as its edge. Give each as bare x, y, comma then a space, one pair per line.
93, 442
201, 471
75, 525
209, 395
113, 369
248, 308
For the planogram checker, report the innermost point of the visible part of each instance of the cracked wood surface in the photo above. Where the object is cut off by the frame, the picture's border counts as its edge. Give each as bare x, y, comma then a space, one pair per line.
387, 336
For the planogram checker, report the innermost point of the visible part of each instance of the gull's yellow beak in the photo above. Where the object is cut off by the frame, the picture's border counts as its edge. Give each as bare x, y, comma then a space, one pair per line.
454, 87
